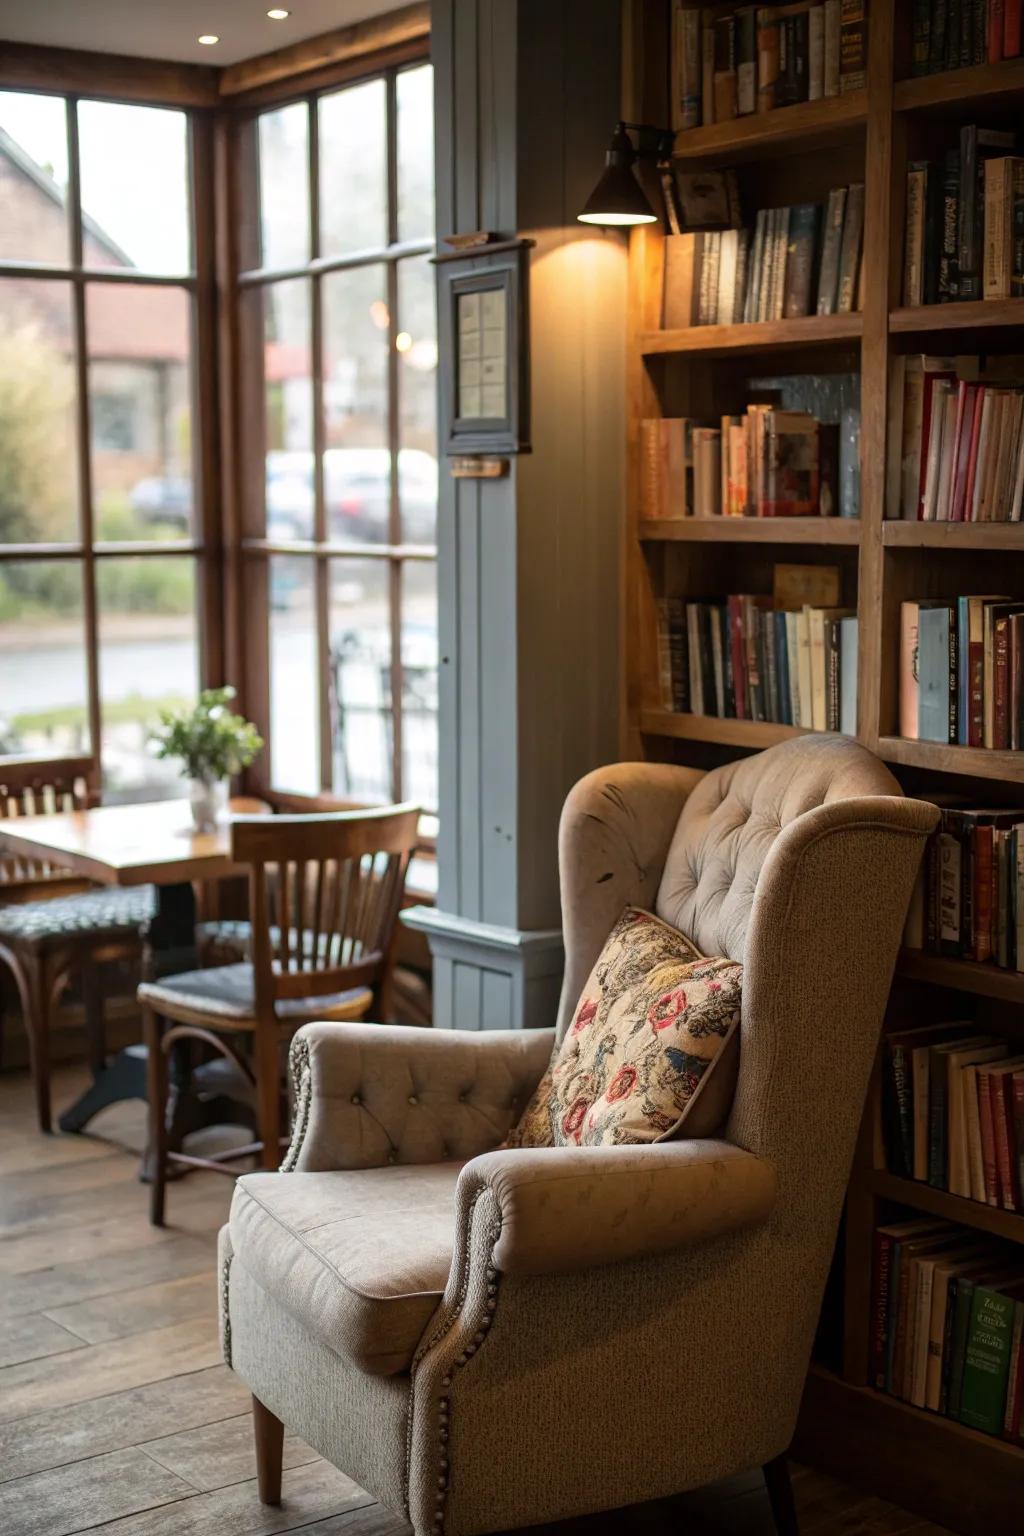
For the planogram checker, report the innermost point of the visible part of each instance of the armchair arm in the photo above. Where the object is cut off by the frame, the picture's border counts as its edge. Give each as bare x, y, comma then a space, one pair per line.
613, 839
371, 1094
566, 1209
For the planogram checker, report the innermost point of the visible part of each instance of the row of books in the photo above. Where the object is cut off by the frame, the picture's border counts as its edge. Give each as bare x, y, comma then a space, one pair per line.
953, 1112
964, 229
969, 899
961, 437
768, 462
962, 672
728, 64
796, 261
954, 34
742, 659
947, 1323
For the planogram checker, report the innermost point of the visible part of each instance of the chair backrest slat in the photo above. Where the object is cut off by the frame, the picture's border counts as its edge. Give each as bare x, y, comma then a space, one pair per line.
41, 787
326, 889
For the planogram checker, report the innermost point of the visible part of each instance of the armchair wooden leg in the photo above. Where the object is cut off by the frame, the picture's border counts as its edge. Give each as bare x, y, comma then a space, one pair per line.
780, 1496
268, 1432
267, 1057
156, 1092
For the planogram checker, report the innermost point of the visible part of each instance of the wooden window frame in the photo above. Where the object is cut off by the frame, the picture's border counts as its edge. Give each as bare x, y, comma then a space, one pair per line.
20, 72
250, 550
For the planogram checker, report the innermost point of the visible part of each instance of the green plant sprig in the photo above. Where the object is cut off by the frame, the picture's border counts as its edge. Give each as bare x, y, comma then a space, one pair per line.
211, 740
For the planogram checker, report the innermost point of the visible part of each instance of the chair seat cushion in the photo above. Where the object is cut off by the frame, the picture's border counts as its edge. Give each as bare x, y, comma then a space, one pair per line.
228, 992
108, 911
360, 1259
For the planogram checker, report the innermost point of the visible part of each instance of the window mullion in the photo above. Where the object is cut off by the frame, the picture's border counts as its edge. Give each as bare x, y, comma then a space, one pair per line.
323, 620
90, 606
394, 444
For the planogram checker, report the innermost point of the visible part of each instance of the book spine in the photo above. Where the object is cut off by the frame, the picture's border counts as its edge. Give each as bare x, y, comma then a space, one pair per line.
986, 1361
953, 28
853, 45
800, 249
1002, 1126
995, 31
678, 659
815, 53
828, 277
665, 679
849, 259
998, 228
982, 926
746, 61
767, 58
1001, 649
937, 38
724, 84
686, 66
937, 1102
921, 39
880, 1310
1011, 29
913, 252
903, 1094
831, 48
963, 1303
1017, 1097
707, 67
988, 1140
949, 285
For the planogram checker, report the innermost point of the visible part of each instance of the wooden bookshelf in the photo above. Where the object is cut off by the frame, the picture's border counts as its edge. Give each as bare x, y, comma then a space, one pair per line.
757, 734
810, 122
750, 530
765, 336
925, 1463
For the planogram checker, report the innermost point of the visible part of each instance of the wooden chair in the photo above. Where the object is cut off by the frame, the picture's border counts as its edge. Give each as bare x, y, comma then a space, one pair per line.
324, 894
52, 922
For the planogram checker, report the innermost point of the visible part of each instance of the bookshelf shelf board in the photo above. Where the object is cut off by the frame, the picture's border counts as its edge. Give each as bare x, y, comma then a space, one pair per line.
969, 87
914, 535
751, 530
976, 762
961, 975
727, 733
804, 126
938, 1202
966, 315
763, 336
872, 1439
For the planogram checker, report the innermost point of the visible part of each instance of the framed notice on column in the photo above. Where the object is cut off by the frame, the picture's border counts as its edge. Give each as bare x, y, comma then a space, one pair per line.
483, 315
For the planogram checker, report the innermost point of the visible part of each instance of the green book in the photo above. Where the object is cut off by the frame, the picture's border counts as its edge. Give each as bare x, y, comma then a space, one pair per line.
987, 1360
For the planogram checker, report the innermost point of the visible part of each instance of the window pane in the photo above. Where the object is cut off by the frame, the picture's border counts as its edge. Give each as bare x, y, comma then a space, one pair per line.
294, 707
288, 384
149, 660
135, 198
38, 479
33, 178
140, 418
417, 400
419, 682
42, 658
361, 679
284, 186
357, 464
353, 176
415, 91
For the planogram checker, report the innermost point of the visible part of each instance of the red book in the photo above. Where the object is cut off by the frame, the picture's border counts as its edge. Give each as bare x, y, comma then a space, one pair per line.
995, 31
880, 1308
972, 457
1002, 1128
1011, 28
967, 409
1018, 1126
1016, 677
1001, 655
981, 938
734, 607
930, 381
988, 1140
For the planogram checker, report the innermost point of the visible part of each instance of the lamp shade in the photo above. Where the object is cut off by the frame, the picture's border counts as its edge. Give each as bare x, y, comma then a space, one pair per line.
618, 198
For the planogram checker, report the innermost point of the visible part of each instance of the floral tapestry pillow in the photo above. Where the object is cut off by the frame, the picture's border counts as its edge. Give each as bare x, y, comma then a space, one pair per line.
653, 1044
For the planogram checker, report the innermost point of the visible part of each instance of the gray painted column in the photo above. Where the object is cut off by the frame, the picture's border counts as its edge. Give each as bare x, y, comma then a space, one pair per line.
527, 93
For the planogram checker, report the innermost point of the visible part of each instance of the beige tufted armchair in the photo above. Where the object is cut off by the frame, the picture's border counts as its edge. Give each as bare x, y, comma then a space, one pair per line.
488, 1339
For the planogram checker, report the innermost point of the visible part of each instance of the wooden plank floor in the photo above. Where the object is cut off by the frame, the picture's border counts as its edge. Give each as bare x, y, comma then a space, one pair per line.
116, 1413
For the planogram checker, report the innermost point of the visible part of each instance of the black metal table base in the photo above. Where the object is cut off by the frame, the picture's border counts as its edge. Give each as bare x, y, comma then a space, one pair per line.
170, 940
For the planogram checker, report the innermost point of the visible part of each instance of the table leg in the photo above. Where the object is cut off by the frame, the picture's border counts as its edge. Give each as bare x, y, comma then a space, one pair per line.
170, 947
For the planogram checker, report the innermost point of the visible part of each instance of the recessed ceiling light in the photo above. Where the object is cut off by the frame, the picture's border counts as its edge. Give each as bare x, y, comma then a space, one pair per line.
208, 39
278, 14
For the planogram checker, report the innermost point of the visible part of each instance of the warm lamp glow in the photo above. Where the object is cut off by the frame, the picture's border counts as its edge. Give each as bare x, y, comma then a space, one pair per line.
617, 219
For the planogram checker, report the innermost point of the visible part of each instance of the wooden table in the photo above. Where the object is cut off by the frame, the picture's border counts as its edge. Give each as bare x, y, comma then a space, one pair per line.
131, 845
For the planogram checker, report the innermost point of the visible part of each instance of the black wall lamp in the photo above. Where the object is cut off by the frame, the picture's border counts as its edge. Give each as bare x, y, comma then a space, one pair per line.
618, 198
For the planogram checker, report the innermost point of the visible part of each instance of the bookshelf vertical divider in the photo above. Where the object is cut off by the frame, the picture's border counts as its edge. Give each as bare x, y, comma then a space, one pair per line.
927, 1463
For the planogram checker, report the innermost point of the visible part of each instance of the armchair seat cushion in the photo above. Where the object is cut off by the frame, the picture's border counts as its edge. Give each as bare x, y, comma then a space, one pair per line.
360, 1259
